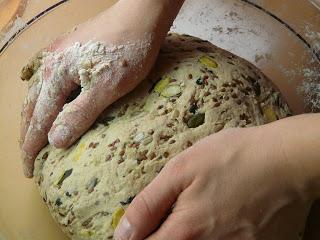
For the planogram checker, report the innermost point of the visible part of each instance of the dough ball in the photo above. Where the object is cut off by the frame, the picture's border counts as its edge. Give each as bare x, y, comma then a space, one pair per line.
195, 89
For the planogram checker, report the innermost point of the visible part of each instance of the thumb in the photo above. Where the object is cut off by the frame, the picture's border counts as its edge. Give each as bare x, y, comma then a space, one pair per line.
148, 209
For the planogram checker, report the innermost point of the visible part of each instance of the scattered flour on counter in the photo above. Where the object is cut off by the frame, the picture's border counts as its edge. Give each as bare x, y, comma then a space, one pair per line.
233, 25
241, 29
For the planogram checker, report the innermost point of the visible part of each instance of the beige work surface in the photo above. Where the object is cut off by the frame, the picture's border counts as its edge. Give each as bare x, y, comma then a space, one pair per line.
250, 33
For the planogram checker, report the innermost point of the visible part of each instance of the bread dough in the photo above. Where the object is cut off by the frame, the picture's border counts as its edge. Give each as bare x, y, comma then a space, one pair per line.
195, 90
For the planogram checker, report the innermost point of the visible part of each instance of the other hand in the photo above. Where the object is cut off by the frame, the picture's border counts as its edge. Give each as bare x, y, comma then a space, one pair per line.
236, 184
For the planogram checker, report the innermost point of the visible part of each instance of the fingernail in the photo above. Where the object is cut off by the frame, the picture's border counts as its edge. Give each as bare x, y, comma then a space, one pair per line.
124, 230
60, 136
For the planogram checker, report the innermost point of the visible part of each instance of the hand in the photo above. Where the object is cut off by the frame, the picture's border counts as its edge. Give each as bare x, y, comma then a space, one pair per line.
237, 184
130, 42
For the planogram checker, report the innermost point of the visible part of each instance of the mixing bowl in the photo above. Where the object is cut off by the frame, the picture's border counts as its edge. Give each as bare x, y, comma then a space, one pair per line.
281, 37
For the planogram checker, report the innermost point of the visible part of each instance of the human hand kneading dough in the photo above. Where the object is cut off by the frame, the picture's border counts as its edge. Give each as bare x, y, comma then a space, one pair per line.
130, 39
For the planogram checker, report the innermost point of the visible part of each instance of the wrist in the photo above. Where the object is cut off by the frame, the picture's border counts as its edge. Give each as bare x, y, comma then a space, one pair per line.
299, 142
151, 16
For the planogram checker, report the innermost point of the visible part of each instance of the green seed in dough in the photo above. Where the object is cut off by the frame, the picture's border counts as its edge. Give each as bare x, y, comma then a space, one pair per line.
171, 91
199, 81
65, 175
196, 120
162, 84
92, 184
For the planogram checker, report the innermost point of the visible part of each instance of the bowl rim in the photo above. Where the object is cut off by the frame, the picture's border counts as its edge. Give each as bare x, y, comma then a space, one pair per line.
303, 40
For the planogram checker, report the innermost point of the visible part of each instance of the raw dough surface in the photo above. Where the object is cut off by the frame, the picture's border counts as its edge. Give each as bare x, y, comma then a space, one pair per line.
195, 90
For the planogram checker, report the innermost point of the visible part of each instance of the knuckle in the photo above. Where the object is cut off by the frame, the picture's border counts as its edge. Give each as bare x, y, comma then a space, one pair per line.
177, 165
184, 231
76, 112
141, 206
